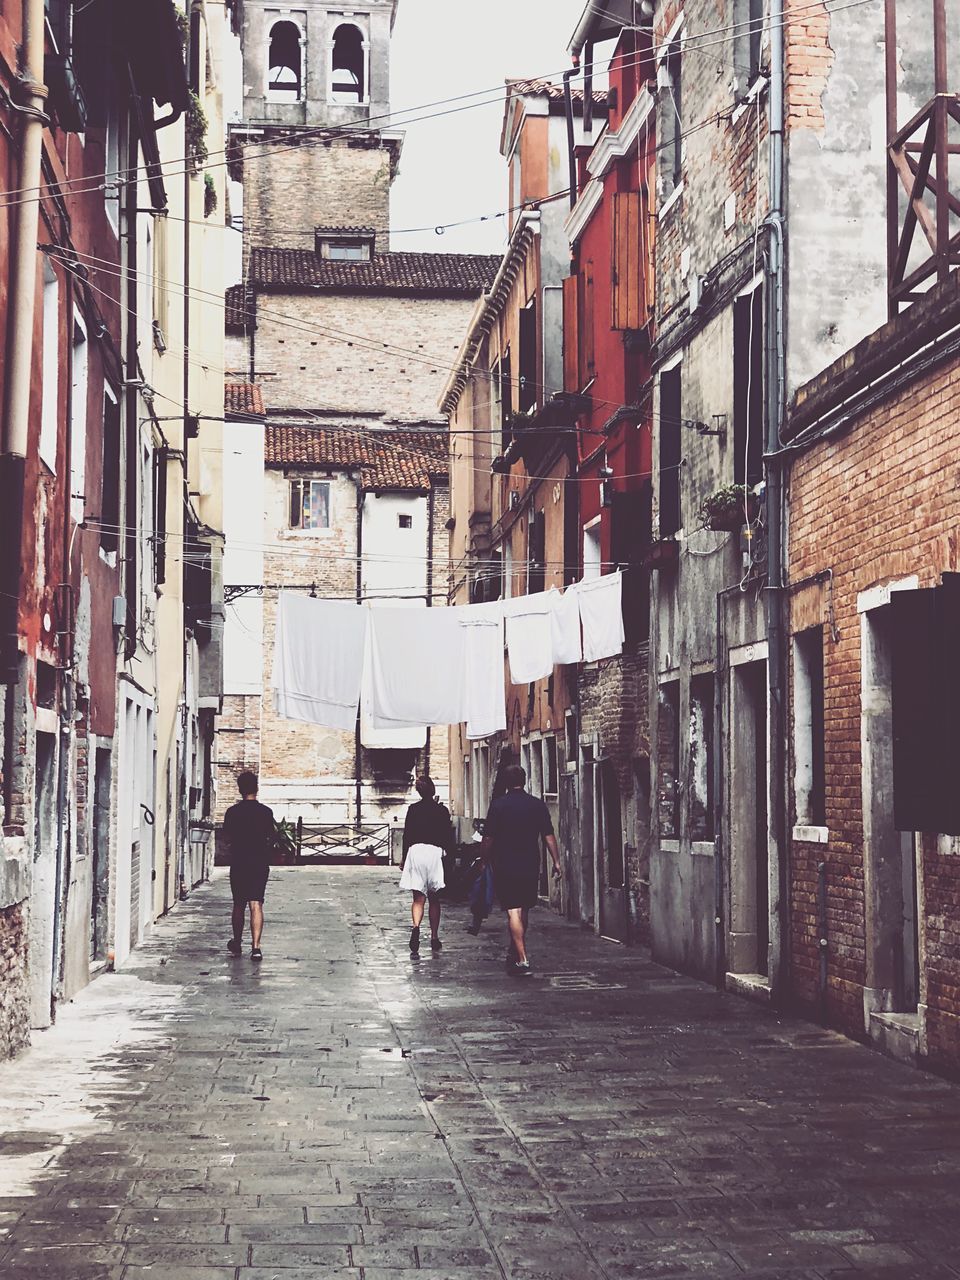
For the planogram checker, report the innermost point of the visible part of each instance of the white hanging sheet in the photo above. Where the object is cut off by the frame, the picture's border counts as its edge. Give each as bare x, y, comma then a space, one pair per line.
529, 637
565, 627
601, 612
318, 659
417, 662
485, 701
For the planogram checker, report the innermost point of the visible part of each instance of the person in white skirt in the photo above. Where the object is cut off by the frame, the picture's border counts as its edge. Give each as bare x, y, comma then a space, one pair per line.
427, 836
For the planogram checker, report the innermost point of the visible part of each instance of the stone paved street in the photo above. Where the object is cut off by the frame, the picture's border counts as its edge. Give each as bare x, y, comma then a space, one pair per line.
346, 1111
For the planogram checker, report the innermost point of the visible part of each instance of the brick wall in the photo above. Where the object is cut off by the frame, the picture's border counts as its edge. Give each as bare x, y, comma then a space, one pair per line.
317, 183
14, 994
313, 356
874, 504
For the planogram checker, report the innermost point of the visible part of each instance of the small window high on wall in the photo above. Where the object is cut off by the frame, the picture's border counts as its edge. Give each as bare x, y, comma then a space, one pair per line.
285, 75
347, 68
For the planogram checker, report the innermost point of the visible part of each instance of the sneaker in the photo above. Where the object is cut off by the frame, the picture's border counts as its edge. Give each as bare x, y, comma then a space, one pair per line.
234, 947
414, 941
520, 968
256, 954
435, 944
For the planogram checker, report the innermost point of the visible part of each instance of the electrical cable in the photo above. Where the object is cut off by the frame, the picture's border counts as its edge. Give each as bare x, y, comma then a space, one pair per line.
733, 31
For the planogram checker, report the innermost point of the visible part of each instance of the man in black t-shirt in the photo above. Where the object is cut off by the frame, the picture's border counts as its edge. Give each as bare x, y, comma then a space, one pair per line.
251, 832
512, 830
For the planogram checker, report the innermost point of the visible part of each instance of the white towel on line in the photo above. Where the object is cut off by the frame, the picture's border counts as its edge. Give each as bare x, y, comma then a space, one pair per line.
417, 660
318, 660
529, 637
601, 612
565, 627
485, 695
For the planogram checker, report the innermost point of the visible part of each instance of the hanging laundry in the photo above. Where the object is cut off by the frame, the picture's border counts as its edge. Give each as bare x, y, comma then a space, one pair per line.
417, 659
529, 637
565, 627
318, 659
601, 612
485, 701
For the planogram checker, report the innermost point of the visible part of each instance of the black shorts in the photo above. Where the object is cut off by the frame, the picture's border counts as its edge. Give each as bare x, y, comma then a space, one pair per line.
249, 883
517, 882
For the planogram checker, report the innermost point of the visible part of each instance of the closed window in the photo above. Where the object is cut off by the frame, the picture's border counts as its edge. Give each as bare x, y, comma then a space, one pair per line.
309, 504
405, 521
348, 251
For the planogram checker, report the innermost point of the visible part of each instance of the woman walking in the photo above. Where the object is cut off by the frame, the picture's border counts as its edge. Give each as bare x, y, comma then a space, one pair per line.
427, 835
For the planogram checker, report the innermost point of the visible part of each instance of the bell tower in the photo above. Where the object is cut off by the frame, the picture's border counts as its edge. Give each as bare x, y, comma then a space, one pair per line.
315, 145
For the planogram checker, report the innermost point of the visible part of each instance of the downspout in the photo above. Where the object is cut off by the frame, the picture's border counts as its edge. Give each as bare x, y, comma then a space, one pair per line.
430, 522
571, 147
14, 428
357, 741
720, 812
779, 958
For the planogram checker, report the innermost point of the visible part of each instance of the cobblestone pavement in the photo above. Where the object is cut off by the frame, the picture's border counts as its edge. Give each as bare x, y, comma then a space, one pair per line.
347, 1111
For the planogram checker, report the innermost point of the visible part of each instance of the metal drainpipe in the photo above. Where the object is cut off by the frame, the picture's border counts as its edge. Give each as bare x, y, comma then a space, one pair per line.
779, 960
357, 741
571, 149
14, 428
430, 521
720, 813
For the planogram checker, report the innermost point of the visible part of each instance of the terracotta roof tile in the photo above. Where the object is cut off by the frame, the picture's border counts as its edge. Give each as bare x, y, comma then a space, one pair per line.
239, 309
386, 459
243, 398
438, 274
547, 89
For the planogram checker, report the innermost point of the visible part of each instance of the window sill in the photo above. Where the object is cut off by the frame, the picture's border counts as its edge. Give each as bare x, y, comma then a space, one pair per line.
670, 201
811, 835
669, 846
703, 849
306, 533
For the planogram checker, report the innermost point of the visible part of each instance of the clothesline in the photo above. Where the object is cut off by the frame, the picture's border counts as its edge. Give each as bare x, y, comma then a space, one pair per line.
404, 667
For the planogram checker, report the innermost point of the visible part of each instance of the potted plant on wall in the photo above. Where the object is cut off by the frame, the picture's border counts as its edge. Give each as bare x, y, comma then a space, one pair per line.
730, 508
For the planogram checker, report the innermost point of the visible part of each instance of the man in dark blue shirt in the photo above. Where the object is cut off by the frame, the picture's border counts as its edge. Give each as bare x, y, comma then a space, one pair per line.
512, 831
251, 831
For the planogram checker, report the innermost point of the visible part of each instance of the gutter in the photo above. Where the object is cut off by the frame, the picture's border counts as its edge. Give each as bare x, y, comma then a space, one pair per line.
779, 959
21, 309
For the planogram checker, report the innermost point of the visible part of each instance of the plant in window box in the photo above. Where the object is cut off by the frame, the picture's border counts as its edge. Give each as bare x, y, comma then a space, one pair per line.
520, 421
730, 508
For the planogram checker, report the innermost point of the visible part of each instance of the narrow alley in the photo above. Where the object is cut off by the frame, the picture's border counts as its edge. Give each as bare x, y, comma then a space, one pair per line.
346, 1110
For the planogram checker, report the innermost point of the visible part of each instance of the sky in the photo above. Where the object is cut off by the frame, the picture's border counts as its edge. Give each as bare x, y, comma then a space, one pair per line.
451, 168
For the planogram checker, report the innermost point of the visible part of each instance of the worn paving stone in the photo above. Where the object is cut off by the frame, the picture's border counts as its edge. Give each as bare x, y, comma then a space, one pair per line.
344, 1110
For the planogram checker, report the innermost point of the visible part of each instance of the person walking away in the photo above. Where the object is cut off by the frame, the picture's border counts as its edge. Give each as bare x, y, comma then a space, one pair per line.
250, 829
427, 836
514, 826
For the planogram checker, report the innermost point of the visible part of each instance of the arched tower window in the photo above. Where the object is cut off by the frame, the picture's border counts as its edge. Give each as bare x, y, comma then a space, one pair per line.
285, 74
347, 82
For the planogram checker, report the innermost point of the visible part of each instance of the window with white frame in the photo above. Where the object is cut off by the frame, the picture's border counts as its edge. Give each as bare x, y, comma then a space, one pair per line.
78, 418
591, 549
309, 504
50, 370
809, 781
571, 742
670, 80
748, 43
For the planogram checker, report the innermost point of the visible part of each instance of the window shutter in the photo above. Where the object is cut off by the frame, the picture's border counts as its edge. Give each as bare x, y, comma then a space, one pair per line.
626, 266
916, 718
571, 340
588, 362
528, 358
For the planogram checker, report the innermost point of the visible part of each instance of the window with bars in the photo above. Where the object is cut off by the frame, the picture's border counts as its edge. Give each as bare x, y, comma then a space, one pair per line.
309, 504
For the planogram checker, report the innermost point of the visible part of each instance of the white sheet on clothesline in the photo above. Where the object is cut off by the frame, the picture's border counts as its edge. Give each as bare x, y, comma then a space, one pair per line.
601, 613
318, 660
